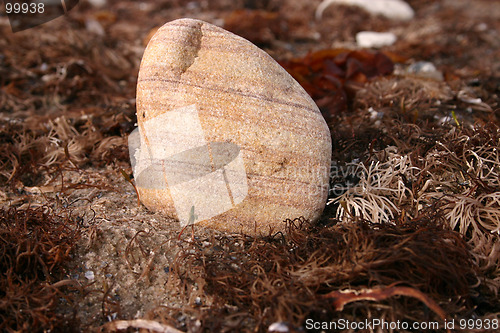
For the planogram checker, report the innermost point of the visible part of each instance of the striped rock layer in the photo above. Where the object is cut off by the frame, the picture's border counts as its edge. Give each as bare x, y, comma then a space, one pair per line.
242, 99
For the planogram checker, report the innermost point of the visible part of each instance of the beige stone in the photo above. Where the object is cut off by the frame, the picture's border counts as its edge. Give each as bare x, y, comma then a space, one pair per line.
228, 139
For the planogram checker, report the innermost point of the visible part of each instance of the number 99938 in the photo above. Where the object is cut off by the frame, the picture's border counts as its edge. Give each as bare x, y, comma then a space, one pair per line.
476, 324
24, 8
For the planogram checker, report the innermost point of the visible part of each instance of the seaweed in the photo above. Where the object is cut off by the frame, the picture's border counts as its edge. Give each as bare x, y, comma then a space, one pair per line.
289, 278
35, 294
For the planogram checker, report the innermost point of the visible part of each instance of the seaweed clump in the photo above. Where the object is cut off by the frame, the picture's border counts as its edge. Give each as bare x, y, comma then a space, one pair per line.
410, 271
35, 244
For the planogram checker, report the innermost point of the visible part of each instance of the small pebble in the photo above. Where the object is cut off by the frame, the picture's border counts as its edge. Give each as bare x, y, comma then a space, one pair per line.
425, 69
89, 275
279, 327
391, 9
372, 39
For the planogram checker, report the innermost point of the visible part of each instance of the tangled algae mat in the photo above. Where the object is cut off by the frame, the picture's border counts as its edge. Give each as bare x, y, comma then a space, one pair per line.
411, 231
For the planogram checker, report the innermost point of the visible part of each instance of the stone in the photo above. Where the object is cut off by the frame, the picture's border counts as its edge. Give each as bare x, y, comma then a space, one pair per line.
426, 70
397, 10
226, 138
373, 39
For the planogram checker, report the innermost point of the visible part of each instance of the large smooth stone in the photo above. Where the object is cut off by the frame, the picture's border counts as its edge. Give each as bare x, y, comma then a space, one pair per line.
226, 137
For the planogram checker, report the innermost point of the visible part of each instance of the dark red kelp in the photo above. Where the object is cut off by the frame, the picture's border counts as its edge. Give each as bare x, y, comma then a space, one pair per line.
333, 76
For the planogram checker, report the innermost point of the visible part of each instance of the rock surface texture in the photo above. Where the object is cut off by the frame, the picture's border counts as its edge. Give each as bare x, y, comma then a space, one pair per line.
227, 138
